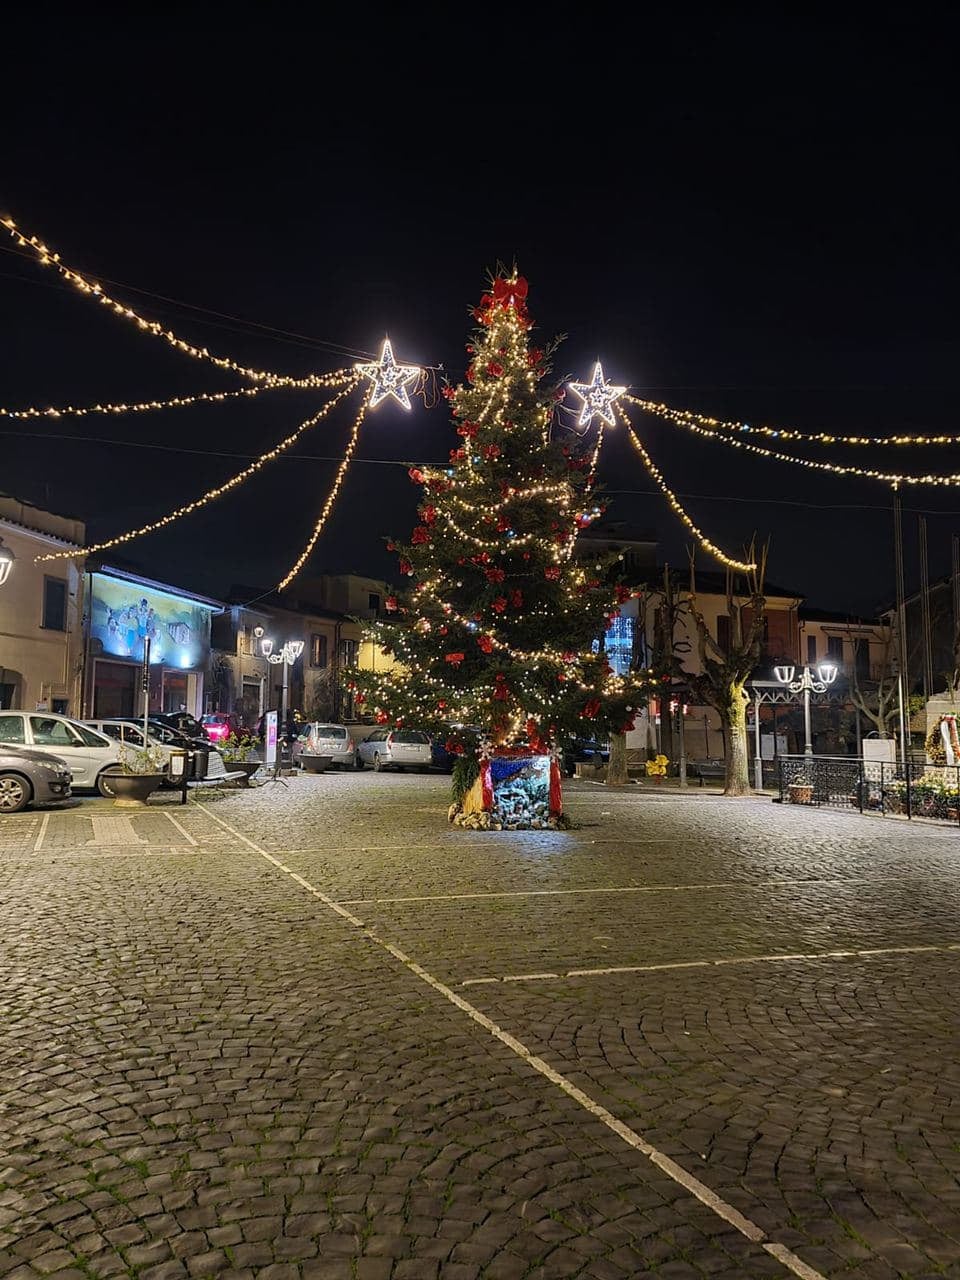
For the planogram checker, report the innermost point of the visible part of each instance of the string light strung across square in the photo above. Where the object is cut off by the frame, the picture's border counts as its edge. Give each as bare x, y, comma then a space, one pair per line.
597, 397
389, 378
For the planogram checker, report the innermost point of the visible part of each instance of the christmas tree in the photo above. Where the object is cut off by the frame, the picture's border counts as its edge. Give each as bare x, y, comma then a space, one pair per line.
502, 625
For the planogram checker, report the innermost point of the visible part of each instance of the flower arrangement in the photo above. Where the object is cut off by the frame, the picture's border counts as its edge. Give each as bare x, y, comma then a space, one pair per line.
236, 748
657, 767
149, 759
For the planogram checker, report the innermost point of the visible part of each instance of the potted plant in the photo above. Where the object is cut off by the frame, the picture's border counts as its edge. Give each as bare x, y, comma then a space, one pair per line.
800, 789
137, 775
236, 750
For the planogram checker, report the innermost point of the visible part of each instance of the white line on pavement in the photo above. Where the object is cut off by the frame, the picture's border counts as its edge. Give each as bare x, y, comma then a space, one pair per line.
674, 1171
775, 958
44, 823
738, 885
182, 829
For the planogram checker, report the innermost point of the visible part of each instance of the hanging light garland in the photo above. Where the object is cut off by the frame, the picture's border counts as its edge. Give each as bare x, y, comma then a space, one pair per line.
315, 381
211, 494
48, 257
834, 468
674, 502
687, 416
332, 495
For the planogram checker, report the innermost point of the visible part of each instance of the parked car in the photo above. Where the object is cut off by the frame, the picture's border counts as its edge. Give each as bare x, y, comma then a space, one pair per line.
131, 735
31, 777
221, 724
333, 740
576, 750
395, 749
182, 721
86, 753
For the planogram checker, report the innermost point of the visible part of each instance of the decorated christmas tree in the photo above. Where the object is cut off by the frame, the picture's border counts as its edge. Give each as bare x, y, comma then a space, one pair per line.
501, 628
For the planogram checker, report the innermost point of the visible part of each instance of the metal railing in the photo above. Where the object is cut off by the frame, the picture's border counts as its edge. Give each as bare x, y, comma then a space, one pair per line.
914, 790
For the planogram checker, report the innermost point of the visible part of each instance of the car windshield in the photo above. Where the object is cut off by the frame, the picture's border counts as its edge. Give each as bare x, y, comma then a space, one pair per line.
409, 735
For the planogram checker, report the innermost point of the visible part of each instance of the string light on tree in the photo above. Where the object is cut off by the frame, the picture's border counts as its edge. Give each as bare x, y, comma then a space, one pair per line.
389, 378
598, 397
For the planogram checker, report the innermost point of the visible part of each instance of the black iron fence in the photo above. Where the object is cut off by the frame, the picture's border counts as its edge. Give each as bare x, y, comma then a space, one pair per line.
914, 790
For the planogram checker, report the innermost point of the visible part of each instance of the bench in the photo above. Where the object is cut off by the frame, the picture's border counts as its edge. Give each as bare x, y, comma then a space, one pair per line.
704, 769
217, 773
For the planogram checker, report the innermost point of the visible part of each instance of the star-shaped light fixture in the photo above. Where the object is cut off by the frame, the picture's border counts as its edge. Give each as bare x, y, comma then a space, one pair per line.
597, 397
389, 378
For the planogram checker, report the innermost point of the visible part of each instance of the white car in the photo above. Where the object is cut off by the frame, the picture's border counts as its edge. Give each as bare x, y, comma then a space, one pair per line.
331, 740
86, 753
395, 749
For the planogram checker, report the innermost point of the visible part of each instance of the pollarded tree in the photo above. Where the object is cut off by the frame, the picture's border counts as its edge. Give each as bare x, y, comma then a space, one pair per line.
725, 670
498, 627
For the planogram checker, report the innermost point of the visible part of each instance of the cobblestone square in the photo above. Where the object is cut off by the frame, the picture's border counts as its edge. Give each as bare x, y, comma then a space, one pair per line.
315, 1032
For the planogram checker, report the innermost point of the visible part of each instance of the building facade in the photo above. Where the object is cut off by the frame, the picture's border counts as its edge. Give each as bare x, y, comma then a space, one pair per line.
41, 608
143, 638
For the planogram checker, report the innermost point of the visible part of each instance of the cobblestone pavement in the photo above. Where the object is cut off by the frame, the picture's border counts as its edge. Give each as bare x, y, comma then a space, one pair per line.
315, 1032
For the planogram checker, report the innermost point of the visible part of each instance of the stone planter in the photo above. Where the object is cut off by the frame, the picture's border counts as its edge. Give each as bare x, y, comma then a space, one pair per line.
132, 789
800, 793
247, 767
315, 764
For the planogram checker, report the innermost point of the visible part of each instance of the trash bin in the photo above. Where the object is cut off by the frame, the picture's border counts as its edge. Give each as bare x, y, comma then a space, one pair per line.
178, 771
201, 763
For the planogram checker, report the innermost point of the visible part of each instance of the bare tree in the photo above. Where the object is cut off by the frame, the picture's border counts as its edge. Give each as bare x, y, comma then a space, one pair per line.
725, 670
880, 705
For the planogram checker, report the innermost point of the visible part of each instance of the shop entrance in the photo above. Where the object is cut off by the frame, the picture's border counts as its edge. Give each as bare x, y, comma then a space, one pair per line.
114, 690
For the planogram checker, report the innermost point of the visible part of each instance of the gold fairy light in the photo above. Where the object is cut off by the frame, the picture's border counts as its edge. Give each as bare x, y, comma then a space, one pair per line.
675, 506
211, 494
313, 382
48, 257
834, 468
331, 496
684, 416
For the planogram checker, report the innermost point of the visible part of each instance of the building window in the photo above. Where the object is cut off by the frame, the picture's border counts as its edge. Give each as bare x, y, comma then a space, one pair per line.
835, 648
318, 650
373, 602
54, 605
348, 653
811, 649
246, 642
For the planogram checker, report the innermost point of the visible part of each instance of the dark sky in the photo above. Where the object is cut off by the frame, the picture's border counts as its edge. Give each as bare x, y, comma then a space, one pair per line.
753, 216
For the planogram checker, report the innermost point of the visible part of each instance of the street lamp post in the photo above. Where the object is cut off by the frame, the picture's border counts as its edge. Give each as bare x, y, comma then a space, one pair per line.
807, 683
288, 655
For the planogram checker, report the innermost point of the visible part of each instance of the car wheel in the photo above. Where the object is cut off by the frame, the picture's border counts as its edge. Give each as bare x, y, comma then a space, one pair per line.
377, 763
104, 787
357, 761
15, 793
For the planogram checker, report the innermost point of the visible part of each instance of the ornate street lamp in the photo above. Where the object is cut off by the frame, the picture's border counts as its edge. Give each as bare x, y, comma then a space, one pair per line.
807, 683
6, 562
288, 655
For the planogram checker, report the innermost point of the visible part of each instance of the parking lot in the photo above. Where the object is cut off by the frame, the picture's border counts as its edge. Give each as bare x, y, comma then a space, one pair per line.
314, 1031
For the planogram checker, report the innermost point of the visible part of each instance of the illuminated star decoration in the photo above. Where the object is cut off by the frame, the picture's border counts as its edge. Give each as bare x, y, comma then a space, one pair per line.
597, 397
389, 378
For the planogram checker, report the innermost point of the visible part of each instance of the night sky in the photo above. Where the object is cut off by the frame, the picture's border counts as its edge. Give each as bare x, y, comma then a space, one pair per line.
751, 216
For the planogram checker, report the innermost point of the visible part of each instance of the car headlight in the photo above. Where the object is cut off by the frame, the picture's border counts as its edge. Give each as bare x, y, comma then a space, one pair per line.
54, 768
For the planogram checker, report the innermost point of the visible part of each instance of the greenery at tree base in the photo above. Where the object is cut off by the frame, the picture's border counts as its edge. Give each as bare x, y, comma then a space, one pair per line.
500, 628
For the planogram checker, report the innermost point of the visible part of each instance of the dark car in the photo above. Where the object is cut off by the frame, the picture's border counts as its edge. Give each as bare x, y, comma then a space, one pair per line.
583, 750
31, 777
182, 722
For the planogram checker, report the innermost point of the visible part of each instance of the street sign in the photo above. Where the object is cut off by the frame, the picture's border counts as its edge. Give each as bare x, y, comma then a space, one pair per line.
270, 738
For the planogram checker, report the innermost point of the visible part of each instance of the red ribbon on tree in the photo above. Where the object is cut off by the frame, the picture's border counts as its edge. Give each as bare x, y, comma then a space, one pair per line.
591, 708
454, 658
485, 643
495, 575
420, 535
499, 603
501, 690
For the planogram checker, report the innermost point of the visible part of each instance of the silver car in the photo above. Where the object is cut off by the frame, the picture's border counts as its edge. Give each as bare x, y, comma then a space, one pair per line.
331, 740
31, 777
396, 749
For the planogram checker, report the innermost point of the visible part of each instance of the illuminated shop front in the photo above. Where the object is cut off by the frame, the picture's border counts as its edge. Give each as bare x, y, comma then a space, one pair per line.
128, 616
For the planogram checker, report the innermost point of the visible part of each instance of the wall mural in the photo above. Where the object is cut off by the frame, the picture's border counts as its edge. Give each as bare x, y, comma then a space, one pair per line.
124, 615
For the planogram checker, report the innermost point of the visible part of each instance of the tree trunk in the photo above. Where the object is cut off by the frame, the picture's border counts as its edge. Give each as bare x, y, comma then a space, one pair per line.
666, 727
617, 775
737, 759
